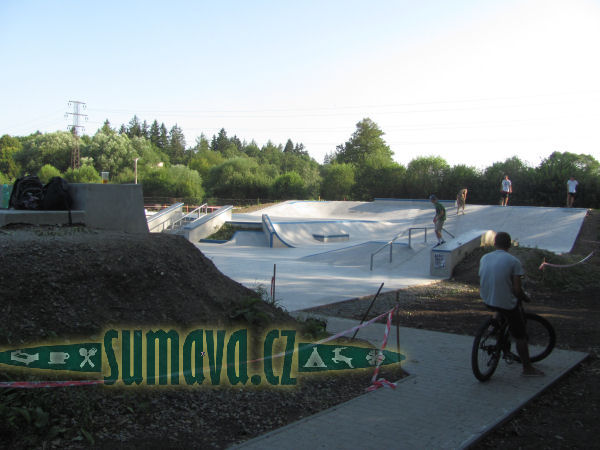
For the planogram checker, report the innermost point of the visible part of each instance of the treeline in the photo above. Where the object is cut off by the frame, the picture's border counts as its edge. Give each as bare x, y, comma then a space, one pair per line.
362, 168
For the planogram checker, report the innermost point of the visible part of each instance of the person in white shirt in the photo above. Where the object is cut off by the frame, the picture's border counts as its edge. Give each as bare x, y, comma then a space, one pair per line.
571, 191
505, 189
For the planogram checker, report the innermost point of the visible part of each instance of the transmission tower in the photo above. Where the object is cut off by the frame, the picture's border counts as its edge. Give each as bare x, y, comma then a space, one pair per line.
75, 127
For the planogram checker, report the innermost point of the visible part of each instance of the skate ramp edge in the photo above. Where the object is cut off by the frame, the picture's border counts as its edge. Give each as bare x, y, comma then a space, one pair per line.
207, 225
446, 256
274, 240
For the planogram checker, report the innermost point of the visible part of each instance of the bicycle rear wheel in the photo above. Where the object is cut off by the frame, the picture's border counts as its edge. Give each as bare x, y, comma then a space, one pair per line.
485, 355
541, 337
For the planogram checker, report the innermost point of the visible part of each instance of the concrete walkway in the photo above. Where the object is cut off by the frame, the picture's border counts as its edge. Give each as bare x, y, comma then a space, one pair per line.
440, 405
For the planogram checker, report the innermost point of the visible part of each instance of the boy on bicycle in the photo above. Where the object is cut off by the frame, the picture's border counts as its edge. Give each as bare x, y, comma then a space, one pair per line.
500, 288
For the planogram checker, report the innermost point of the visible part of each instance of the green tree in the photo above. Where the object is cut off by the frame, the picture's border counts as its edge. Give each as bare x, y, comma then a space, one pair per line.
163, 138
47, 172
135, 128
49, 148
426, 175
154, 134
240, 178
521, 175
175, 181
106, 128
552, 175
366, 142
385, 181
288, 186
462, 176
112, 153
9, 147
176, 149
204, 160
338, 181
85, 174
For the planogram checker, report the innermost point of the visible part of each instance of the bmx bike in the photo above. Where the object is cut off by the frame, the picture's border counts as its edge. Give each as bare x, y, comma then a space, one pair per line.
493, 341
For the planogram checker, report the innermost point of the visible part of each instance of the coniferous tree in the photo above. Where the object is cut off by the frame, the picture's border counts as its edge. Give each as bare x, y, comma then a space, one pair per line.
154, 133
135, 128
176, 148
163, 138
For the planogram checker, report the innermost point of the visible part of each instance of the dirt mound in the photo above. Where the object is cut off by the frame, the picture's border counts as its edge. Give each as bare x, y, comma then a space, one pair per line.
67, 281
61, 282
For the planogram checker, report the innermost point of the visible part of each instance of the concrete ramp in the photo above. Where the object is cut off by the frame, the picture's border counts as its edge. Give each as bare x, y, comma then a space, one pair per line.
307, 233
313, 270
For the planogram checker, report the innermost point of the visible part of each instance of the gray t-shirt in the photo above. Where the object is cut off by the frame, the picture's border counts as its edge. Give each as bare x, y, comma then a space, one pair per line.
496, 271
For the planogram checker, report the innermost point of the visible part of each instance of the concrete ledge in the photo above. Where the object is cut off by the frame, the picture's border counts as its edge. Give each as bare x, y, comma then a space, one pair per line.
446, 256
8, 216
207, 225
331, 237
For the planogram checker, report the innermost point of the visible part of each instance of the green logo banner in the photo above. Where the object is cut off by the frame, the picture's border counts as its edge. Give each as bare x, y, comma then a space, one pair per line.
322, 357
77, 357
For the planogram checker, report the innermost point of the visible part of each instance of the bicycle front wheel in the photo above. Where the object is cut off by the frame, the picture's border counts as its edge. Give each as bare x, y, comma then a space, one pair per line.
485, 355
541, 338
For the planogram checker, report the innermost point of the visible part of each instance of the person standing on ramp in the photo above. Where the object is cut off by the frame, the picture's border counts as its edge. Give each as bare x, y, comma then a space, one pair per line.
438, 219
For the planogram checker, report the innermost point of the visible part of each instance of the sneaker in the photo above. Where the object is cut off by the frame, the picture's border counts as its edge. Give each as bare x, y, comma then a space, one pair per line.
443, 242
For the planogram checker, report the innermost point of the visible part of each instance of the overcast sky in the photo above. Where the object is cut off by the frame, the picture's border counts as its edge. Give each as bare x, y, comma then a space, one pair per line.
472, 82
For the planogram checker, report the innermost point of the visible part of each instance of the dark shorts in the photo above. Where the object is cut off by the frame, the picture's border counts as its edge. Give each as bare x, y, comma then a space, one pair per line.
505, 194
516, 321
572, 194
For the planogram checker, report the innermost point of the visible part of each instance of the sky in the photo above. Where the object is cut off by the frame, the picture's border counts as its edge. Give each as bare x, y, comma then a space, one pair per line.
472, 82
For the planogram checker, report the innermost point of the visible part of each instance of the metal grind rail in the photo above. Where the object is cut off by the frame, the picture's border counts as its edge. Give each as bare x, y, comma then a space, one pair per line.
391, 243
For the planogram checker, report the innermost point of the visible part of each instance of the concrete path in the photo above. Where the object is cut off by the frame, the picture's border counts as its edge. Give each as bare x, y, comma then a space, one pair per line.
440, 405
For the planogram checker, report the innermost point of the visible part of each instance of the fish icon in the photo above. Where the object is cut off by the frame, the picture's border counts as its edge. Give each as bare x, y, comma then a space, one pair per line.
23, 357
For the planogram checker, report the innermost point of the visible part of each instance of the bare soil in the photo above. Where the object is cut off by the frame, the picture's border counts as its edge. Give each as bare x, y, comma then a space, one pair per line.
59, 283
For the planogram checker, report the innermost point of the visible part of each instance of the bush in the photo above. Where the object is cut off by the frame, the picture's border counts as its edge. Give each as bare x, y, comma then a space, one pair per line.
47, 172
85, 174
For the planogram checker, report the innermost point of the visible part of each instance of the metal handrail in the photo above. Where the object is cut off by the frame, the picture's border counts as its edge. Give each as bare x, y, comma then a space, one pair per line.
390, 243
191, 213
157, 218
410, 234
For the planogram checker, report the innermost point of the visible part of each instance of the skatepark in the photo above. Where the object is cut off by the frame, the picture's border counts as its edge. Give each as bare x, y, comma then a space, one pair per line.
321, 252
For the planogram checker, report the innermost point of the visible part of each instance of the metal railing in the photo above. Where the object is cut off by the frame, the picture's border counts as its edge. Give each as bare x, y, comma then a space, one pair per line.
164, 219
410, 230
390, 243
200, 211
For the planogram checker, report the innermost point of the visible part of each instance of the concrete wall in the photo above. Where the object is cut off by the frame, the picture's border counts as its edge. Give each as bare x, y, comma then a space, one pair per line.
446, 256
207, 225
103, 206
111, 206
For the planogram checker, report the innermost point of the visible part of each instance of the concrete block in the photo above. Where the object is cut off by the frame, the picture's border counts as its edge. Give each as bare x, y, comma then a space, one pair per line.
8, 216
207, 225
111, 206
446, 256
